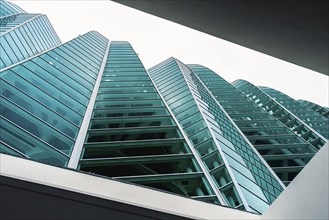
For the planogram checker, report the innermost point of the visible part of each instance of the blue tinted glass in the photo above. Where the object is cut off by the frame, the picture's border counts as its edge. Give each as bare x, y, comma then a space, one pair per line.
30, 123
50, 89
28, 40
19, 44
64, 75
42, 97
32, 37
24, 42
74, 68
61, 85
30, 145
39, 110
11, 54
58, 64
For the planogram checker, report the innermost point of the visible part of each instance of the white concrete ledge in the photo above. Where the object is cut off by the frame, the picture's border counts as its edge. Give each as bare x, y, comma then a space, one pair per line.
305, 198
307, 195
75, 181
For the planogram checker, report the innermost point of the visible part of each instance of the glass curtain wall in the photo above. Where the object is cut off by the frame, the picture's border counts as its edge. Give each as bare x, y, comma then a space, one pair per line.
275, 109
23, 35
324, 111
203, 122
284, 151
43, 100
8, 8
314, 119
132, 136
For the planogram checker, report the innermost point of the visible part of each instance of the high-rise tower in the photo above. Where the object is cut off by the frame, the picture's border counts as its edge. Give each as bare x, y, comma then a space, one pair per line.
285, 141
231, 160
314, 119
284, 150
288, 118
89, 105
44, 99
8, 8
23, 35
324, 111
133, 137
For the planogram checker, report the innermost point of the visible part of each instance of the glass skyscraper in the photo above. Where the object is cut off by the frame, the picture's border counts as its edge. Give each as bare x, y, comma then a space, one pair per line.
309, 131
8, 8
23, 35
90, 105
273, 140
44, 99
324, 111
132, 136
219, 143
317, 120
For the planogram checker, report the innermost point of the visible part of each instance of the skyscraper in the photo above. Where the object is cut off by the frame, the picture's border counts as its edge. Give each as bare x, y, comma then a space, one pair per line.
266, 133
23, 35
216, 138
133, 137
44, 99
90, 105
315, 107
8, 8
314, 119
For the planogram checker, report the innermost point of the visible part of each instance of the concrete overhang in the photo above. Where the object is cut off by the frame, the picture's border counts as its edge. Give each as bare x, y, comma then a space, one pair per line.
292, 30
32, 190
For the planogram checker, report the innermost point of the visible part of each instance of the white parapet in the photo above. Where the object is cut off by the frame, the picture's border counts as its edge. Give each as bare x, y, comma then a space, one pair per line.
72, 180
307, 195
305, 198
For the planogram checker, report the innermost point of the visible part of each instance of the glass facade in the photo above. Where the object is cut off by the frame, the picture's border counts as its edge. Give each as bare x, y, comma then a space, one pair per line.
8, 8
23, 35
132, 135
324, 111
233, 164
281, 113
43, 100
277, 144
177, 128
314, 119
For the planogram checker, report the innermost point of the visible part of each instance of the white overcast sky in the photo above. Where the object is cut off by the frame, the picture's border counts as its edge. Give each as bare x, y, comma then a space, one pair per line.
156, 39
